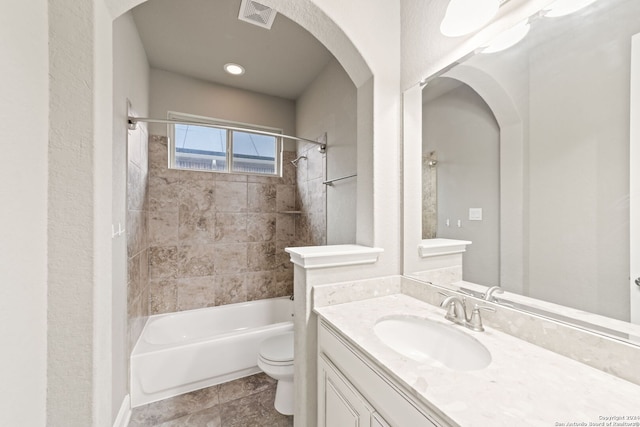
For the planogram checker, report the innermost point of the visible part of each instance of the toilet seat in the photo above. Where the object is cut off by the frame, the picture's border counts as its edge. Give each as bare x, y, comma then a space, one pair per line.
277, 350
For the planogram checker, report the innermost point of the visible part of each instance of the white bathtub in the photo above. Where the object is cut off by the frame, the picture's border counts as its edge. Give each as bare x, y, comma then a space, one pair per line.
185, 351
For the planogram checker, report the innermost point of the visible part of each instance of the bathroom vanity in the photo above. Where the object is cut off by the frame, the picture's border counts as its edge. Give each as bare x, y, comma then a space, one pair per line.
341, 400
364, 382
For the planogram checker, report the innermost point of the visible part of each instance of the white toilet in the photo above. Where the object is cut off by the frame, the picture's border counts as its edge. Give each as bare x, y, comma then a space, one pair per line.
275, 358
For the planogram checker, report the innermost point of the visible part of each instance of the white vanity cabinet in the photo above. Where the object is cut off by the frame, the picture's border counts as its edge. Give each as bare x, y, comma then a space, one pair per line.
354, 391
340, 404
377, 421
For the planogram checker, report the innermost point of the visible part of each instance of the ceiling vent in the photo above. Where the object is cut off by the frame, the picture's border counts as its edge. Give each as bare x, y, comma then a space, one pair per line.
256, 14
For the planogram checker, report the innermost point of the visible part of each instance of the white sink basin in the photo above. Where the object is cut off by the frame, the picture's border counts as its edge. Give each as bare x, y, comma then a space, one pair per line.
427, 341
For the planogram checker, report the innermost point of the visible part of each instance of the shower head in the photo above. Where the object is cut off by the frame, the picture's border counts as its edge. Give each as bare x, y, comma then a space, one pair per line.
295, 162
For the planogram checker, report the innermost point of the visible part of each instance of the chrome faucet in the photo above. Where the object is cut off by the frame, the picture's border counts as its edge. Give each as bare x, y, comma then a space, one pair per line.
456, 309
492, 290
457, 312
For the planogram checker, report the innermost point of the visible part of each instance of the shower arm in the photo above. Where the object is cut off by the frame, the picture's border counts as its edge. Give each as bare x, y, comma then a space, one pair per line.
133, 124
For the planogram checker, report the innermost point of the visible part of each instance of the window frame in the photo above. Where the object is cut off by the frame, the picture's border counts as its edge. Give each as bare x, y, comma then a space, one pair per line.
191, 119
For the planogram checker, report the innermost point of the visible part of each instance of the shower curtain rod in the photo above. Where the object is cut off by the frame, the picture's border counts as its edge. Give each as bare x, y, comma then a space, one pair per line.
133, 123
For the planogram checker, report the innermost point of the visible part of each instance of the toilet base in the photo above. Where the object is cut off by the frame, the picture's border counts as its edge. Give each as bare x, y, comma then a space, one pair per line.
284, 397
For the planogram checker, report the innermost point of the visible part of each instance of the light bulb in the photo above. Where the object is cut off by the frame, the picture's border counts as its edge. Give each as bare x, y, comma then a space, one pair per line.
466, 16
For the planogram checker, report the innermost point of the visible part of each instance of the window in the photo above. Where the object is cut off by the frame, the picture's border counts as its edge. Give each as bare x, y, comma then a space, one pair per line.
206, 147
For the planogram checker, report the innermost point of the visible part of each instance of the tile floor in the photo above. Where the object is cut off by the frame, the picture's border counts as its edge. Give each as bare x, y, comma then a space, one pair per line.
247, 402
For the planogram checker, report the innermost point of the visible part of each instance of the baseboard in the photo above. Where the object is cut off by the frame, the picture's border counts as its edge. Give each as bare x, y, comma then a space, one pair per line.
124, 414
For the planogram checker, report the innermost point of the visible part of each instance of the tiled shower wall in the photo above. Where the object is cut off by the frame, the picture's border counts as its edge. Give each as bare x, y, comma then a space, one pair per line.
218, 238
311, 197
429, 196
137, 233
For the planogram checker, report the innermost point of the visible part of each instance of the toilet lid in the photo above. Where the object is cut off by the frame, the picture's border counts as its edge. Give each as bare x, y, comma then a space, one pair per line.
278, 348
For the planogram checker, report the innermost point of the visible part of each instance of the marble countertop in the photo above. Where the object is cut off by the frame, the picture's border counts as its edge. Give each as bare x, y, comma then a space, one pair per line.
524, 384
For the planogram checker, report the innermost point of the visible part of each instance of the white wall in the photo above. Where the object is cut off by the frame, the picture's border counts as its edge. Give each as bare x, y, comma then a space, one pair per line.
79, 214
579, 166
174, 92
329, 105
23, 237
461, 129
130, 83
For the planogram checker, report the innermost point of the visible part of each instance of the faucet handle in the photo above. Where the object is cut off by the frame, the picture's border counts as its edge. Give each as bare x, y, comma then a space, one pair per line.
492, 290
451, 308
475, 322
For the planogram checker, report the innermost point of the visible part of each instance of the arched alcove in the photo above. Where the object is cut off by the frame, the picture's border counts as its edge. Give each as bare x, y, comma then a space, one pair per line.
364, 38
308, 15
511, 170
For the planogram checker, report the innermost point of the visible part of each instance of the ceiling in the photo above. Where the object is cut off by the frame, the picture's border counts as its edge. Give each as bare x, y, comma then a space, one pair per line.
196, 38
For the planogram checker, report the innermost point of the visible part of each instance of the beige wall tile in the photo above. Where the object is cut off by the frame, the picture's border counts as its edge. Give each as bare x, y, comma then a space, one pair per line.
284, 283
163, 228
260, 285
231, 197
286, 198
231, 227
261, 197
163, 262
163, 295
196, 260
198, 194
286, 227
230, 289
195, 225
136, 187
230, 177
261, 227
164, 193
195, 292
261, 256
231, 258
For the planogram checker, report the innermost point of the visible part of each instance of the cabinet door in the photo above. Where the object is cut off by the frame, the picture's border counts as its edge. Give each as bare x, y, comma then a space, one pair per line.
378, 421
339, 404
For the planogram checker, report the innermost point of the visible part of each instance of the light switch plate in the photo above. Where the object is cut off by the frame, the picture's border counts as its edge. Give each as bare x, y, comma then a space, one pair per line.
475, 214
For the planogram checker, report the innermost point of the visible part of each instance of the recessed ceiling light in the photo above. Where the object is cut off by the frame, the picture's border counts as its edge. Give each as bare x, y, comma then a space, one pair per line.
234, 69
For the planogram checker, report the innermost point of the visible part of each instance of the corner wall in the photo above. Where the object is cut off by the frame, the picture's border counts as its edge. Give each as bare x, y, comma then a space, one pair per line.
79, 214
23, 238
330, 105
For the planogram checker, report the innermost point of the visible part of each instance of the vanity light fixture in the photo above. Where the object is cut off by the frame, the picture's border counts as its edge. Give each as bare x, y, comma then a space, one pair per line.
234, 69
508, 38
466, 16
565, 7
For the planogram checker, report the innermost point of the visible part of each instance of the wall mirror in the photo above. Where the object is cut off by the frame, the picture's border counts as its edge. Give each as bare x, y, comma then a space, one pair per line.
526, 152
